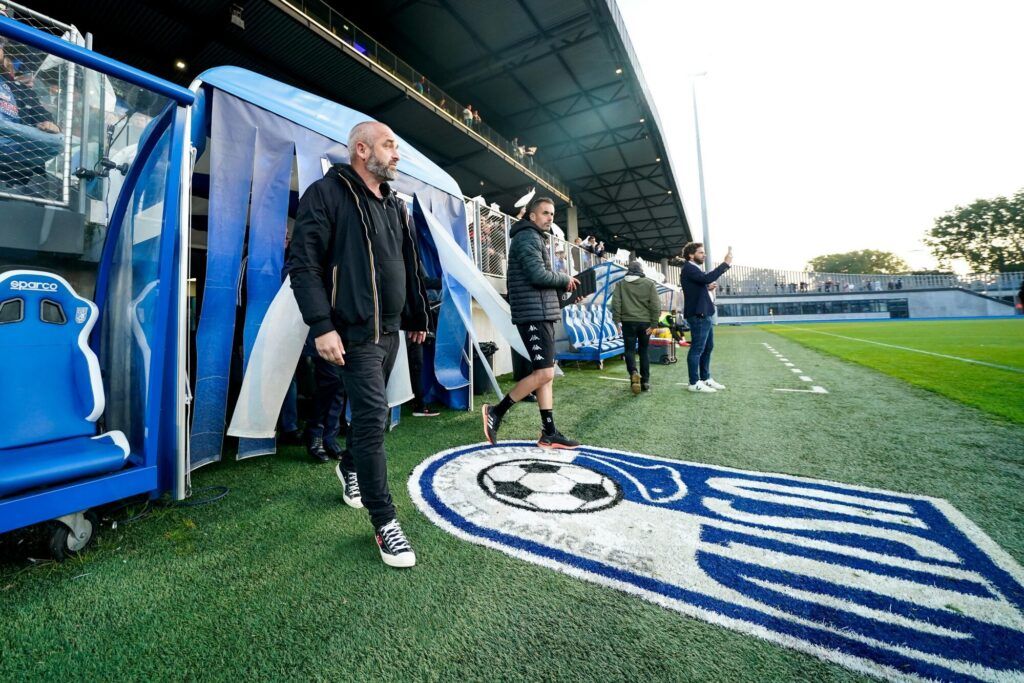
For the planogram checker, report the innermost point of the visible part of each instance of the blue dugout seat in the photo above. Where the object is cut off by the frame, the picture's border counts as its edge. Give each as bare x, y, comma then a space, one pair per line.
51, 395
584, 327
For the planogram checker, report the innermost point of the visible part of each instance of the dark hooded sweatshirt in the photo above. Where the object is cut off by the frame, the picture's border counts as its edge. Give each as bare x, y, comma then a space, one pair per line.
353, 260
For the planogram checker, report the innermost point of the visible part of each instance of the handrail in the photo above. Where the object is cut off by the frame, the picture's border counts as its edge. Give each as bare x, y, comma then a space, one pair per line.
358, 42
15, 30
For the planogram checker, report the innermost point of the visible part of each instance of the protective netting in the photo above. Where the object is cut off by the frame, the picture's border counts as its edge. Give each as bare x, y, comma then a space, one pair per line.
40, 114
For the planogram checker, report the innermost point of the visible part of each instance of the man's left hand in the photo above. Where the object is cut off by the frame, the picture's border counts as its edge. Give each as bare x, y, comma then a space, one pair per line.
417, 337
713, 286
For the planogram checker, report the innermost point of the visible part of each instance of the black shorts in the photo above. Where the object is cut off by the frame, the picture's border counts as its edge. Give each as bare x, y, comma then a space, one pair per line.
539, 338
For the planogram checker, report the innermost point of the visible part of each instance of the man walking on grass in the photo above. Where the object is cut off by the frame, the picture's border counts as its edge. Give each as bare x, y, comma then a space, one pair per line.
636, 307
698, 308
356, 275
533, 297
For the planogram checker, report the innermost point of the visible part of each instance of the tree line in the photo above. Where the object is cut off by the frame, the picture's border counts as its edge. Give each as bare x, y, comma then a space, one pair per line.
988, 234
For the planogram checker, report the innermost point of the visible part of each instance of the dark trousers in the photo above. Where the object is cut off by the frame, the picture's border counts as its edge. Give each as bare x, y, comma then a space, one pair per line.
414, 352
328, 401
635, 338
702, 342
365, 373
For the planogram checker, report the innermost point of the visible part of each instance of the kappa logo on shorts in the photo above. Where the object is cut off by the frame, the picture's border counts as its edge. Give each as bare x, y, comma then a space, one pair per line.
895, 585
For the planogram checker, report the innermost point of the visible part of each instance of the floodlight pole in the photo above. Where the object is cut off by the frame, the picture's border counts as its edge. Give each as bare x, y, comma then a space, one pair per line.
700, 174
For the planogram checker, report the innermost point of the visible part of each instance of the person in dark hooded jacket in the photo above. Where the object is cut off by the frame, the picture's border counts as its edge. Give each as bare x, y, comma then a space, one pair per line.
533, 289
355, 272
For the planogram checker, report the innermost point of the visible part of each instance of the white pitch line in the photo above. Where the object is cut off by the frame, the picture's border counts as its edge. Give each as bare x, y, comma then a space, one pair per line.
813, 390
1008, 368
798, 370
784, 360
790, 365
614, 379
805, 378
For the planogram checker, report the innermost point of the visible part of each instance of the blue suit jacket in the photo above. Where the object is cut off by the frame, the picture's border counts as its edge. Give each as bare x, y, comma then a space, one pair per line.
694, 281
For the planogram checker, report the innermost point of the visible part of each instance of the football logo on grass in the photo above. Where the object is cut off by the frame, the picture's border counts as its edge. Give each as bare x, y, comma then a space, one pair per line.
894, 585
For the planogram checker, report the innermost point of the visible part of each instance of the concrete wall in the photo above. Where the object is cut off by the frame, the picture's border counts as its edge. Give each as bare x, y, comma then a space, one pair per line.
485, 332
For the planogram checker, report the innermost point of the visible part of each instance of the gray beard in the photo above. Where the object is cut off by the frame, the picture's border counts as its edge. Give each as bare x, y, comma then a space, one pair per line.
381, 170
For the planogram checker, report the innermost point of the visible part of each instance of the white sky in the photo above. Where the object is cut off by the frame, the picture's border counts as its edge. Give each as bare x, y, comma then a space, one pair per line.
829, 127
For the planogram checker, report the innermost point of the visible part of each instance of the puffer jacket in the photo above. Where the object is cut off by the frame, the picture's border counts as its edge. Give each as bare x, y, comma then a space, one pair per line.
532, 286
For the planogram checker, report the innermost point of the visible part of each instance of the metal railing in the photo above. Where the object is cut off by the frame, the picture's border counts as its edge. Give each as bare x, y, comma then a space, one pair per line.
331, 21
489, 241
751, 281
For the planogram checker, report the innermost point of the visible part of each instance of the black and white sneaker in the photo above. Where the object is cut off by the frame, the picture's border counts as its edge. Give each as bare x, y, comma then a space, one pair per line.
491, 423
394, 546
315, 448
350, 491
556, 441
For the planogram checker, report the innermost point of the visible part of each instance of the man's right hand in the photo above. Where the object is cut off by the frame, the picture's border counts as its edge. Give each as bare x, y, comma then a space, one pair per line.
573, 284
330, 348
728, 256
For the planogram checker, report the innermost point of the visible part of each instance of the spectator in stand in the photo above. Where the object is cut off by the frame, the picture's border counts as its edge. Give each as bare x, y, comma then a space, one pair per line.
636, 308
476, 118
899, 283
560, 265
467, 115
421, 85
698, 308
22, 156
599, 250
580, 254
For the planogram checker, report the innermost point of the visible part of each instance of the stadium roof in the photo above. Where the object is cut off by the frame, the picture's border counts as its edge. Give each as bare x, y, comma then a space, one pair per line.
559, 76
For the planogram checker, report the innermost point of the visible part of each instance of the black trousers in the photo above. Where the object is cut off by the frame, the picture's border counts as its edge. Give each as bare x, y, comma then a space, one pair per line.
635, 338
328, 400
365, 373
414, 352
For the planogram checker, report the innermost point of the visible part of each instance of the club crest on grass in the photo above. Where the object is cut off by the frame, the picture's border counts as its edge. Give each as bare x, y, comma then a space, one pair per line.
894, 585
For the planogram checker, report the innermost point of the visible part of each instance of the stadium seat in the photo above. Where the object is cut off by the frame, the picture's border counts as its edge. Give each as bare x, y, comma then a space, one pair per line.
52, 393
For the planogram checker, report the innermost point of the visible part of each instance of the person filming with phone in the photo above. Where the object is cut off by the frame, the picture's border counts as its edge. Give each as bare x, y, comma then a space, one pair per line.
698, 309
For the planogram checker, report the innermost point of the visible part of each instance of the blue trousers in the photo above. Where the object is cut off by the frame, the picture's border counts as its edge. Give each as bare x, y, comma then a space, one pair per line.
702, 342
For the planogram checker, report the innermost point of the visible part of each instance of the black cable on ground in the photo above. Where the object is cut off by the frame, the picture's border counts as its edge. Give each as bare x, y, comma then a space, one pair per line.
192, 502
149, 506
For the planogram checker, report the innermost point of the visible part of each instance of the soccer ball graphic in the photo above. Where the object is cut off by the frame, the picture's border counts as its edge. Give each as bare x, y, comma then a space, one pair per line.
547, 486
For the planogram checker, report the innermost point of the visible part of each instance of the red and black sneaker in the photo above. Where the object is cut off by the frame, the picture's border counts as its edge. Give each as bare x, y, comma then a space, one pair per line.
557, 440
491, 423
424, 410
394, 546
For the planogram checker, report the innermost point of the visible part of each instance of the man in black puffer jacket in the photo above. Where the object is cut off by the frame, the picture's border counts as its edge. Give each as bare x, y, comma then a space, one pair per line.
533, 297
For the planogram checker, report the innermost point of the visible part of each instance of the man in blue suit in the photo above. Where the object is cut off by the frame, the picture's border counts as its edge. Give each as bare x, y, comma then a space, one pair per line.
698, 308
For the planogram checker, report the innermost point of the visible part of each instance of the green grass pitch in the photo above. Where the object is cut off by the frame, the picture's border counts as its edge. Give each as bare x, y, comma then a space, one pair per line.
977, 362
280, 581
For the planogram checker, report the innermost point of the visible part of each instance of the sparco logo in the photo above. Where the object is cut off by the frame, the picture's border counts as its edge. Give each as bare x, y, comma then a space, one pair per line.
34, 286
